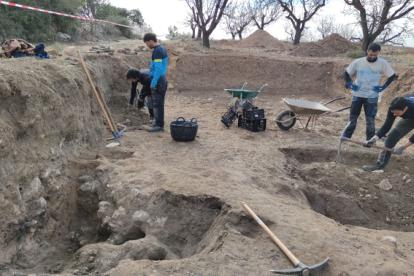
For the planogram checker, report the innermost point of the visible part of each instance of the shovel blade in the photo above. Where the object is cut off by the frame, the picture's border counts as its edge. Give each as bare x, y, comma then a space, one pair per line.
113, 144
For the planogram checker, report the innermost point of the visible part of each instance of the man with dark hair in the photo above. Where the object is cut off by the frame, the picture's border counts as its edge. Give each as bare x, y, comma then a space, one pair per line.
159, 82
141, 76
404, 108
367, 89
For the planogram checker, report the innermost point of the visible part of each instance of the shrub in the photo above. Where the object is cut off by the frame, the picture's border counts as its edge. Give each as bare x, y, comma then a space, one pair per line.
355, 54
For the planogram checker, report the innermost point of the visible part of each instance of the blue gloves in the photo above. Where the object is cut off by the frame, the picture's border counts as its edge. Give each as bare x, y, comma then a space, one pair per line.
378, 88
352, 86
398, 150
370, 142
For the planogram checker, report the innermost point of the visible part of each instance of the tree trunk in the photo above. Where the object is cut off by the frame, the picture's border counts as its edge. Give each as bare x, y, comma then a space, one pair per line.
240, 36
233, 36
365, 44
193, 36
298, 35
199, 34
206, 40
367, 41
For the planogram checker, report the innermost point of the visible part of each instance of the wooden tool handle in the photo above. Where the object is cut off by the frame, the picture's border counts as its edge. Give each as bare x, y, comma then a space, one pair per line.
95, 92
362, 143
289, 254
106, 109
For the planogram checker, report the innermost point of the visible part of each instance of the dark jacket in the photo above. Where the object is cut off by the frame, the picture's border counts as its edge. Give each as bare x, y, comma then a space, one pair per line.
145, 80
409, 114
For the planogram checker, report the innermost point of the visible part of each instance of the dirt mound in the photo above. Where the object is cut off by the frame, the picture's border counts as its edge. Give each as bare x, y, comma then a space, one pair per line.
330, 46
261, 39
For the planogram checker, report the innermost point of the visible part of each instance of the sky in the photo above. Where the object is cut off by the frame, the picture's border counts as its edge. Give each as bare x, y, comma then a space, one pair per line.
160, 14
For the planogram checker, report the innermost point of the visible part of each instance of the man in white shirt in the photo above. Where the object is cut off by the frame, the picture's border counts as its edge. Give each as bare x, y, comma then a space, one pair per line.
367, 88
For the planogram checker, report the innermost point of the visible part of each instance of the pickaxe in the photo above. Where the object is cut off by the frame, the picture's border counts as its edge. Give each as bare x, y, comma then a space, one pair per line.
301, 269
359, 143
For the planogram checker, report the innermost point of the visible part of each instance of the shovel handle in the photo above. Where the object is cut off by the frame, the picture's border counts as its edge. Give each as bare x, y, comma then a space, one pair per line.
289, 254
362, 143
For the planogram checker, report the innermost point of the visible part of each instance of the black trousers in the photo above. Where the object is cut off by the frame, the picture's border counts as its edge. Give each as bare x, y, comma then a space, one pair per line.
401, 129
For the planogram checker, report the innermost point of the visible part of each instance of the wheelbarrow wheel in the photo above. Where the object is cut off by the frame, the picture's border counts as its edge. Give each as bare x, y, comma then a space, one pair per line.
286, 120
236, 103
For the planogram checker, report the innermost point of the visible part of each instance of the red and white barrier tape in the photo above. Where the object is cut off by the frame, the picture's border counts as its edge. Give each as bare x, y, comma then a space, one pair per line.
67, 15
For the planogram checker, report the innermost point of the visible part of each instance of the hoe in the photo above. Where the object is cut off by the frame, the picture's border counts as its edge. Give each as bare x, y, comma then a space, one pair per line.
301, 269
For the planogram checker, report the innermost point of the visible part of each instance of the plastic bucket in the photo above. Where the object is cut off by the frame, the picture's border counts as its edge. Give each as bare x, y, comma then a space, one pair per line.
182, 130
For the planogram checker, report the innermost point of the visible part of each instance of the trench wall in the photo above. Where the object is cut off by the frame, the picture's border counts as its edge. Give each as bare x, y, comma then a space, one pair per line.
48, 117
283, 75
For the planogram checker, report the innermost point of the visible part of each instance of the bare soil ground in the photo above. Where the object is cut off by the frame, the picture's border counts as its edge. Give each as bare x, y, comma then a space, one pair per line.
154, 206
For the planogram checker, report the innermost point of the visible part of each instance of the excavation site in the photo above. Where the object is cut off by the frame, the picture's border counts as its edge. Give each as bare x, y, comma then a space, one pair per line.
75, 203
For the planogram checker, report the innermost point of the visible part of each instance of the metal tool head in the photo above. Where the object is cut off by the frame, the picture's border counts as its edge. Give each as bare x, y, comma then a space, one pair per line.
343, 138
340, 144
302, 269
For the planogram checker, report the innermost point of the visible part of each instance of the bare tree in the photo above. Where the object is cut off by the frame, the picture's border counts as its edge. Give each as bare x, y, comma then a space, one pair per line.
299, 13
191, 22
237, 20
327, 25
290, 32
264, 12
207, 14
230, 26
394, 35
375, 15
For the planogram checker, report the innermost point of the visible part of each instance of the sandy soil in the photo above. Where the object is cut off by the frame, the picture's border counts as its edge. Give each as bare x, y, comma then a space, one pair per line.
154, 206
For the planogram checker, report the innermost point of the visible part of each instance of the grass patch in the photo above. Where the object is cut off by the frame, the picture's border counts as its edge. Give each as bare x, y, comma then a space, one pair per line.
355, 54
56, 46
406, 59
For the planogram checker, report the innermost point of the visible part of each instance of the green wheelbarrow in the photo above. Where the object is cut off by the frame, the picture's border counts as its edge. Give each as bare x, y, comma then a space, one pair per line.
239, 96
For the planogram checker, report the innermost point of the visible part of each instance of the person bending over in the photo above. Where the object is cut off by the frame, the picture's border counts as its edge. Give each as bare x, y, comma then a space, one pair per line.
141, 76
399, 107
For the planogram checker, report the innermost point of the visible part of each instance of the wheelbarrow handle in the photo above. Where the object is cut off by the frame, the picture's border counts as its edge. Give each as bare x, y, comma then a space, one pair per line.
330, 112
243, 86
340, 98
262, 87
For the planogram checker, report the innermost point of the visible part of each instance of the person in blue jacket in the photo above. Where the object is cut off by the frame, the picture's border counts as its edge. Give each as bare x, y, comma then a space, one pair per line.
159, 83
402, 107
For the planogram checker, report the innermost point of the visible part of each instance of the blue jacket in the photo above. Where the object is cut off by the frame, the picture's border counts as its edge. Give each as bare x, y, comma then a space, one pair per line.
158, 69
409, 114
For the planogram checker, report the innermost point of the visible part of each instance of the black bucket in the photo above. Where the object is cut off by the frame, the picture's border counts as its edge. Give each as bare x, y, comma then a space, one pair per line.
182, 130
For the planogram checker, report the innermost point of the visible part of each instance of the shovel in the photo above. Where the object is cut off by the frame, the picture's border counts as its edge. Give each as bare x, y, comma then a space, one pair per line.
344, 139
301, 269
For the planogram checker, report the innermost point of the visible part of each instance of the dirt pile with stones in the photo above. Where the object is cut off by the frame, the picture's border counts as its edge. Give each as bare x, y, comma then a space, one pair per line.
332, 45
262, 39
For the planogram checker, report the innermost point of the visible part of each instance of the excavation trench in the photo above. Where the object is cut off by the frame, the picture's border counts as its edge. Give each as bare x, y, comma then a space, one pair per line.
347, 194
159, 225
71, 204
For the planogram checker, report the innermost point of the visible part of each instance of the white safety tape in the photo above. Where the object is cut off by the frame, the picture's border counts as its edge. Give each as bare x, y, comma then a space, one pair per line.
67, 15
